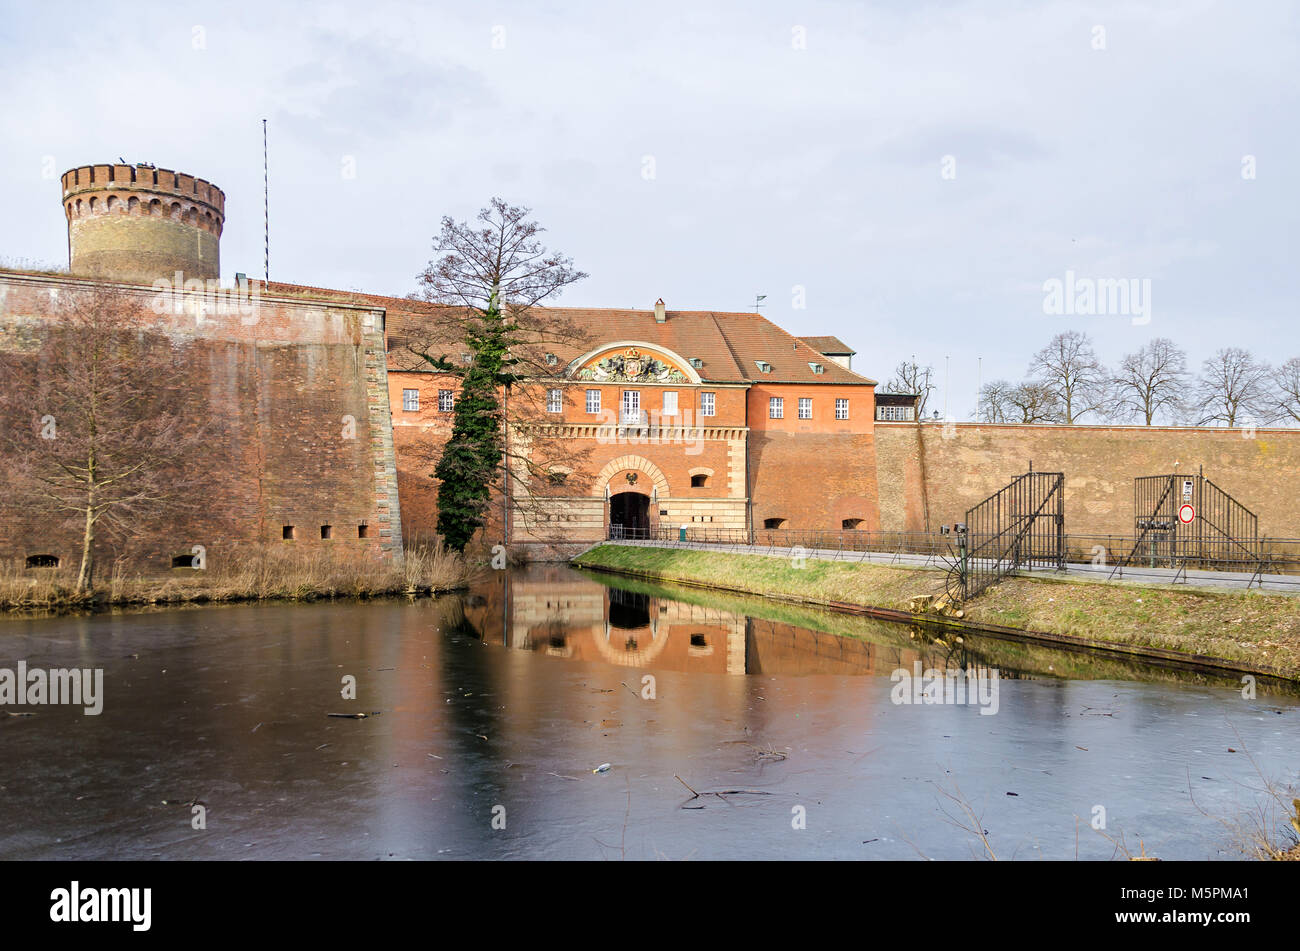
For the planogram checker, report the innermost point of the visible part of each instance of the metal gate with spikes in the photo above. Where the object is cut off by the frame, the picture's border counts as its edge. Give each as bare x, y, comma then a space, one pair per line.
1020, 526
1221, 534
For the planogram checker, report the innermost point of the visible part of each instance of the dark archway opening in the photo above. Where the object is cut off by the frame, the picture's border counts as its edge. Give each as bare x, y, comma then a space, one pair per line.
629, 515
628, 610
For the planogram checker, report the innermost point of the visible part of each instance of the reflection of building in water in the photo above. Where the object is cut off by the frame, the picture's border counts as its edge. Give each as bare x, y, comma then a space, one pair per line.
555, 611
774, 647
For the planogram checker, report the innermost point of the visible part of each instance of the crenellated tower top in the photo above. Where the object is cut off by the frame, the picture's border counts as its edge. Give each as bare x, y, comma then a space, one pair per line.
138, 223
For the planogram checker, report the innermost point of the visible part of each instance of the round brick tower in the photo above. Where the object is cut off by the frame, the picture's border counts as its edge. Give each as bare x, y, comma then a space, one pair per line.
135, 223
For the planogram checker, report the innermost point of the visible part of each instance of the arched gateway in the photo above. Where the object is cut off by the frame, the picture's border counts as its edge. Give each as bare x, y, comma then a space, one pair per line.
632, 487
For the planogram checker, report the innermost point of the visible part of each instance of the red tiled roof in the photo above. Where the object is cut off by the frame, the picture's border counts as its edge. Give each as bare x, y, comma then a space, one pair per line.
729, 345
829, 346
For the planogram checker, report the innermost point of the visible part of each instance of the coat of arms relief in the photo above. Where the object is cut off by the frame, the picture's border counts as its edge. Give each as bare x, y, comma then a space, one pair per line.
631, 366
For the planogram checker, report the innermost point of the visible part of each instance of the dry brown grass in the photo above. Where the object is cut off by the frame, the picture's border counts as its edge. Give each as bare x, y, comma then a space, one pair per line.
273, 573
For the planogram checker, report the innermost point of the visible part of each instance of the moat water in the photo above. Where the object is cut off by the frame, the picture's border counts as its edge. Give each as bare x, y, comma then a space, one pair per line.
489, 712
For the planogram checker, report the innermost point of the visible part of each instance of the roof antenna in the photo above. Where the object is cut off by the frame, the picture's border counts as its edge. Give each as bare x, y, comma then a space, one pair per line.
266, 205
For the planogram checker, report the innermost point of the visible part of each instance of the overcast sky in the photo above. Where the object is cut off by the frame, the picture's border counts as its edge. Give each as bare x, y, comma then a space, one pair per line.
919, 170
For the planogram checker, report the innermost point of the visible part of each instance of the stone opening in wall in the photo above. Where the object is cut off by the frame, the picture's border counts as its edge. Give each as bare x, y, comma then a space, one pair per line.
186, 560
327, 531
363, 531
42, 561
287, 533
699, 481
699, 640
773, 522
850, 523
629, 514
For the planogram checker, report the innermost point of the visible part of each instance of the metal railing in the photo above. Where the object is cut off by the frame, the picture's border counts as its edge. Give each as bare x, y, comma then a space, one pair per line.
1102, 551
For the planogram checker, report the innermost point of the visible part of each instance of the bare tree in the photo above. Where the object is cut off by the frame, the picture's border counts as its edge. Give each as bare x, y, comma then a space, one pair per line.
501, 252
1152, 380
1286, 387
1234, 388
92, 434
1033, 402
1069, 368
911, 377
994, 405
1003, 402
489, 280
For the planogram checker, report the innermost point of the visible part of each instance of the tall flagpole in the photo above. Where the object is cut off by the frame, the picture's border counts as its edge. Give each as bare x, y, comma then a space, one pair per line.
266, 204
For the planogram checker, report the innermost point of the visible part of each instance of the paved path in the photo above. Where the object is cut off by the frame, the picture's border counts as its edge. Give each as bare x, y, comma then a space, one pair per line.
1216, 580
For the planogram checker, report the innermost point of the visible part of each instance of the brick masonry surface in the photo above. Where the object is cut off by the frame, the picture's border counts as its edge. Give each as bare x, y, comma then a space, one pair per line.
1262, 471
296, 398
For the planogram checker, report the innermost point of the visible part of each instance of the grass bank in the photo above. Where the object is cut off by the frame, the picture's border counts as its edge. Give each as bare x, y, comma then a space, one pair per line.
265, 575
1249, 630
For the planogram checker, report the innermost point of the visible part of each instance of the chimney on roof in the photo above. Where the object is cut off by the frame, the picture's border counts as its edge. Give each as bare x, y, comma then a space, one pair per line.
660, 315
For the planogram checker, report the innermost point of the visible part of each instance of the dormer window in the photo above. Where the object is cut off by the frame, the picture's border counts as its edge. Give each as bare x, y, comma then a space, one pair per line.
696, 362
817, 368
763, 366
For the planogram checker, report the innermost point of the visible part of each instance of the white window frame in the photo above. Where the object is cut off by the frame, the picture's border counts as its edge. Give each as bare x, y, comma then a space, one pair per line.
446, 401
896, 414
410, 401
631, 409
593, 402
670, 403
805, 407
554, 401
776, 407
842, 408
708, 404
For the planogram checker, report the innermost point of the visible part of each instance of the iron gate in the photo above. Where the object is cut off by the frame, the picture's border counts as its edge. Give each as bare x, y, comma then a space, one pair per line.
1020, 526
1221, 533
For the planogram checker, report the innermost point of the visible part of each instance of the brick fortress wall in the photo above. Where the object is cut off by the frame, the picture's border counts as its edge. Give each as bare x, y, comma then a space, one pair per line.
1262, 471
296, 396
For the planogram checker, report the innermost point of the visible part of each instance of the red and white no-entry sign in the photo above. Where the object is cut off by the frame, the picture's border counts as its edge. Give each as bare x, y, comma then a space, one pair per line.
1186, 513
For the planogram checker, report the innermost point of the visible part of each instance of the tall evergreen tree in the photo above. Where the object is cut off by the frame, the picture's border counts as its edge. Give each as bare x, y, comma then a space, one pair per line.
491, 278
470, 460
